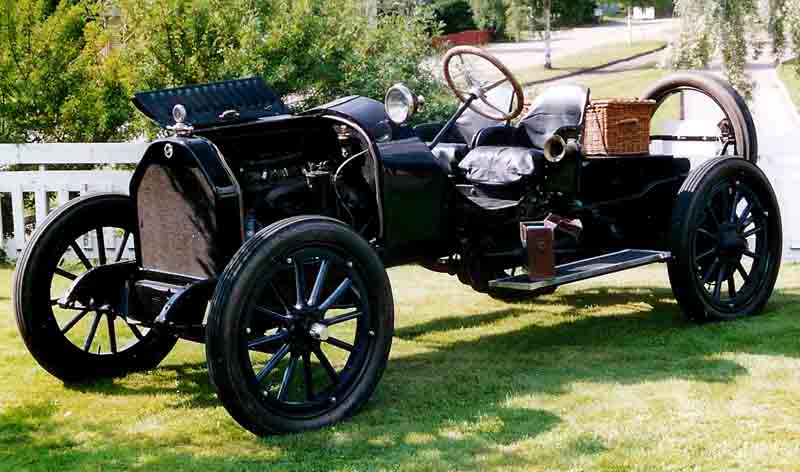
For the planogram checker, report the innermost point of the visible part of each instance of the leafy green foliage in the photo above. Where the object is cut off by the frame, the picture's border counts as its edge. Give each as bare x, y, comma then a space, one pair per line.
734, 31
490, 15
60, 79
56, 83
454, 15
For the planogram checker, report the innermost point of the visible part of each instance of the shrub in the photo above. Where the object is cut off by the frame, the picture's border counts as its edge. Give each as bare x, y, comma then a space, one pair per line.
455, 15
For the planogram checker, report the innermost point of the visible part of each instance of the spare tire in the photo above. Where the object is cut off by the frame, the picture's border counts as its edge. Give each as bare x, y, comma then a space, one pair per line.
726, 97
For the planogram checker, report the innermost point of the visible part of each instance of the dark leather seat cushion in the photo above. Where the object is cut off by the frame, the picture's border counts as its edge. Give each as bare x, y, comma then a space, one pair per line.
498, 165
449, 155
556, 107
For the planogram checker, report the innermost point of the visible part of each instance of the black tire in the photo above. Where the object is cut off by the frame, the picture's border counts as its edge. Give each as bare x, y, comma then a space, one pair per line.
725, 217
35, 315
251, 315
729, 100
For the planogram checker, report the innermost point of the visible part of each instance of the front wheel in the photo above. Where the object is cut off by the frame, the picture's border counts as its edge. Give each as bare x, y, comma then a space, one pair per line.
726, 241
300, 327
85, 342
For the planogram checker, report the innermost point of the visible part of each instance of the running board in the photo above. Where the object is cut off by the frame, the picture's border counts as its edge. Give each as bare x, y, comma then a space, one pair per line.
585, 269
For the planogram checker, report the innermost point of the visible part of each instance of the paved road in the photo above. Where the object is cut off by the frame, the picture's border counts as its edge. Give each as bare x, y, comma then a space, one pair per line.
573, 41
778, 127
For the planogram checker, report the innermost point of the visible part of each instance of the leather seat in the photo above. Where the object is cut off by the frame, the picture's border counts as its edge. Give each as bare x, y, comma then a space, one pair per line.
555, 108
448, 155
498, 165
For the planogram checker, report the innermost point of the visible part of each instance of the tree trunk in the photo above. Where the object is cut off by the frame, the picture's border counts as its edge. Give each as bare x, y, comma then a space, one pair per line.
630, 25
372, 13
547, 59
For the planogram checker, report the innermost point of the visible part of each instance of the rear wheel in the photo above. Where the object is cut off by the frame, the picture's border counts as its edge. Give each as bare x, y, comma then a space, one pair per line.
87, 342
726, 241
300, 327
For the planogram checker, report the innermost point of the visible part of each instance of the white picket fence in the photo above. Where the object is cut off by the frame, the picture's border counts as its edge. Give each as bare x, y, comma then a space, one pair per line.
44, 183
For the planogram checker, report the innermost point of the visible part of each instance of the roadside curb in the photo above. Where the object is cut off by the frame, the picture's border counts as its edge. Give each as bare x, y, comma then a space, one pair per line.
594, 68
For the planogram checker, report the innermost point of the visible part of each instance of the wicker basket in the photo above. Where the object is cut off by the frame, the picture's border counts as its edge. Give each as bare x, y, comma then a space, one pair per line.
618, 127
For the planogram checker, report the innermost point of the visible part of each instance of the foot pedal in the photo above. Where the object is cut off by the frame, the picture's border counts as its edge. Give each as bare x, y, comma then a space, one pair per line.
585, 269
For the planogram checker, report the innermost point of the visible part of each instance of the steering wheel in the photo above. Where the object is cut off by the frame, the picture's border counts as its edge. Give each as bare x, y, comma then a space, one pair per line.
459, 64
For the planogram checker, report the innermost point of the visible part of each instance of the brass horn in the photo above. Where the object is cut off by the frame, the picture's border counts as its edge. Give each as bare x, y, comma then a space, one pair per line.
555, 148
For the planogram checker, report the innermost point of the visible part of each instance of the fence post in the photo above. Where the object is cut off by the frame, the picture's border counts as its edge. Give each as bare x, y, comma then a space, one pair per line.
18, 212
40, 204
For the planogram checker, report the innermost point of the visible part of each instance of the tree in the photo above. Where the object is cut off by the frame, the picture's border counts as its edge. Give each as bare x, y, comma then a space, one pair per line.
734, 30
55, 82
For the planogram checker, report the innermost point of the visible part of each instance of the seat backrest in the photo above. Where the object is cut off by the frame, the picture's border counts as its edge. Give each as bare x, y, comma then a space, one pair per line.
469, 123
556, 107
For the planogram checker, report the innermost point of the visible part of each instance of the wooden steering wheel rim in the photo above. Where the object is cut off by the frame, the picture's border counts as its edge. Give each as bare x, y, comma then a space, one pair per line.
509, 77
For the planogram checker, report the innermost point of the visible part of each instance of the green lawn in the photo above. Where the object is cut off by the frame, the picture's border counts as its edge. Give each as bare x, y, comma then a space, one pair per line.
788, 73
577, 62
605, 375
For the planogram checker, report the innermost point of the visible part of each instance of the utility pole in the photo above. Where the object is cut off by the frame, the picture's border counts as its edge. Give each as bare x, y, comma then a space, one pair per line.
547, 59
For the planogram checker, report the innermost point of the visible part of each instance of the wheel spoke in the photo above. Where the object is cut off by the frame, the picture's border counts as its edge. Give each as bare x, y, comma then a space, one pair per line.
309, 380
495, 85
276, 317
326, 364
257, 343
736, 198
710, 272
706, 253
343, 287
744, 216
726, 200
121, 248
280, 298
707, 233
288, 374
65, 274
101, 246
718, 284
92, 331
276, 358
112, 335
713, 215
339, 343
342, 318
299, 283
731, 286
742, 272
751, 254
74, 321
134, 330
79, 252
753, 231
319, 282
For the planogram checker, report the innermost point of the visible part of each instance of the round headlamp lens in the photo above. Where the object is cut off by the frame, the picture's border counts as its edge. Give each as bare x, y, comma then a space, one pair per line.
399, 104
179, 113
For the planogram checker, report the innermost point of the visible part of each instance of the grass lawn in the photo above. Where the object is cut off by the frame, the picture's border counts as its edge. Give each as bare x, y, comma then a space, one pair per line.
576, 62
603, 375
788, 74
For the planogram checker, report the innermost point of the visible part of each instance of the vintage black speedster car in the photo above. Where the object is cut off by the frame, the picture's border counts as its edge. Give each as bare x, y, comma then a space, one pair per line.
266, 234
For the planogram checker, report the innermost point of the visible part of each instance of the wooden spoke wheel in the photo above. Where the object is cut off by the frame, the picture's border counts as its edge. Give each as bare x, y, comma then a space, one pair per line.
300, 326
726, 241
90, 340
